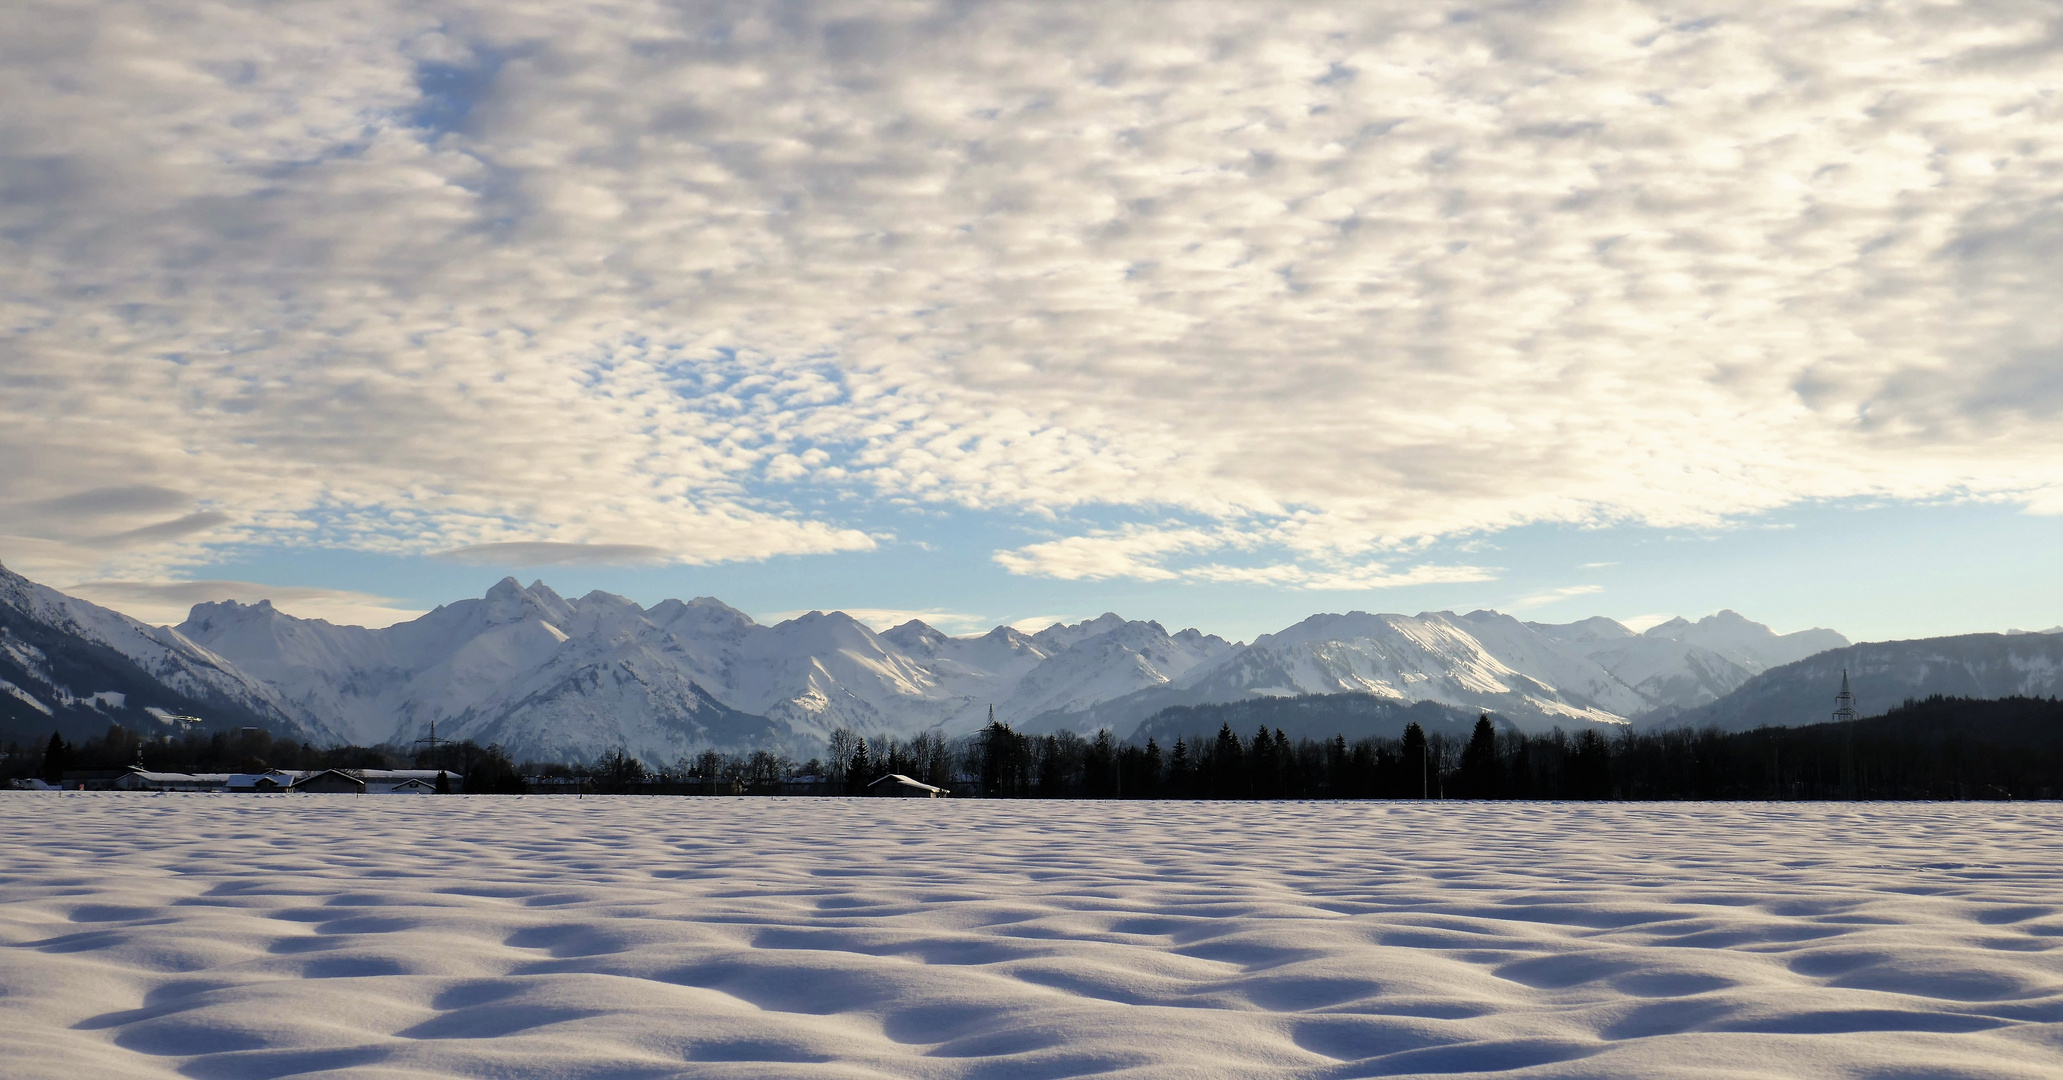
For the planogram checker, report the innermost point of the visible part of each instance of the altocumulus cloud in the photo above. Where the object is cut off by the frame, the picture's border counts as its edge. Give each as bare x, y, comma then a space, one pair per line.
1314, 281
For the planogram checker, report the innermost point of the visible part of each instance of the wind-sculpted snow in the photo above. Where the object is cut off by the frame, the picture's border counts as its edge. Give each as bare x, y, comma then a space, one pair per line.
247, 937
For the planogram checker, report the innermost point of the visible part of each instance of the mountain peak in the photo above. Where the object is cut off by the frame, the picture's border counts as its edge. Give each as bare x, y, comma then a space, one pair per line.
1671, 628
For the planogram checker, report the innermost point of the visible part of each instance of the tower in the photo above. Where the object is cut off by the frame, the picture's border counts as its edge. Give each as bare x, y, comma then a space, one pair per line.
1844, 702
434, 743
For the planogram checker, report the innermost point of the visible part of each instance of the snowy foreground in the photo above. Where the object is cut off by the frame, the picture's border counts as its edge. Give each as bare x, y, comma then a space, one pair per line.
218, 936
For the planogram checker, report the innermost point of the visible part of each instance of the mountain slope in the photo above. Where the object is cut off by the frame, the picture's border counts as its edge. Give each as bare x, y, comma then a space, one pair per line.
1478, 662
543, 676
1883, 674
1682, 664
75, 667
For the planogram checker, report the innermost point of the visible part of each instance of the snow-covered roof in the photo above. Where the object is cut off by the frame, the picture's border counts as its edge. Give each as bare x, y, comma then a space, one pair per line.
904, 781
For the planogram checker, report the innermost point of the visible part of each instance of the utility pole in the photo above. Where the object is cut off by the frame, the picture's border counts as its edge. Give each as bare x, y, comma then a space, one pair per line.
1845, 715
432, 741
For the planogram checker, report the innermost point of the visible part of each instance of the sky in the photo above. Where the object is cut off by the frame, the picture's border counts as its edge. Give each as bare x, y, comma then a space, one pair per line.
1216, 314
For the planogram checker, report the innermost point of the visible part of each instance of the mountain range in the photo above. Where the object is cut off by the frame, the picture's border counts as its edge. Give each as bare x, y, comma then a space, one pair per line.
74, 667
550, 677
1885, 674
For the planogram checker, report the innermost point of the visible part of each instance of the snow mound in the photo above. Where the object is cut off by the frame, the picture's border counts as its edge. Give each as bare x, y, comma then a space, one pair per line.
276, 936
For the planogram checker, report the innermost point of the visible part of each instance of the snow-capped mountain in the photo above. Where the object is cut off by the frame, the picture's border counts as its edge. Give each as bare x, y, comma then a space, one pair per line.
1883, 674
75, 667
1682, 664
543, 675
1535, 675
550, 677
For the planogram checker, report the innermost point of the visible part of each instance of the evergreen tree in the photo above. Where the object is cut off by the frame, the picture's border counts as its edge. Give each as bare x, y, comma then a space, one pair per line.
443, 782
860, 771
1480, 775
999, 765
1228, 766
57, 757
1179, 769
1100, 767
1417, 764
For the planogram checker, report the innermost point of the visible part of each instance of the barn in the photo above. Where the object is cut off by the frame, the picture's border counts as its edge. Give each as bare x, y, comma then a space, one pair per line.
898, 786
331, 781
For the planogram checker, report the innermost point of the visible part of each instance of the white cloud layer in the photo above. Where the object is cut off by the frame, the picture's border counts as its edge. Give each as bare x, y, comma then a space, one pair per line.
950, 622
1327, 279
163, 603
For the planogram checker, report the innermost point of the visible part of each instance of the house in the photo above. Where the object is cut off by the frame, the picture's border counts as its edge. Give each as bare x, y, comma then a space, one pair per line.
91, 779
896, 785
139, 778
802, 785
414, 785
275, 780
331, 782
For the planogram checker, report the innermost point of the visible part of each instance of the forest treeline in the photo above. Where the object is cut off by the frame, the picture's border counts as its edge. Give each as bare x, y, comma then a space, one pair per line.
1937, 748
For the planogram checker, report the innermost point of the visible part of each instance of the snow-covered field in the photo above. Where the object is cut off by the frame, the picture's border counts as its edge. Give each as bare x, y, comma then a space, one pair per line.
244, 937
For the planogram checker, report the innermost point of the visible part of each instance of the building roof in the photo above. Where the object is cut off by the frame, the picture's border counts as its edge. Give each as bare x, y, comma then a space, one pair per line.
329, 775
900, 780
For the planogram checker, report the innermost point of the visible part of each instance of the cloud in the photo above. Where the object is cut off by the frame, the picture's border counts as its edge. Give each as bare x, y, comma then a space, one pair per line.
879, 619
1641, 624
1160, 553
1032, 624
187, 525
704, 279
167, 602
1552, 596
544, 553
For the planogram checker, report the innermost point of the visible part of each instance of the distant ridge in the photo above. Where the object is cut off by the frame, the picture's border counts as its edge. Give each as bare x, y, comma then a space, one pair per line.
74, 668
1884, 674
548, 676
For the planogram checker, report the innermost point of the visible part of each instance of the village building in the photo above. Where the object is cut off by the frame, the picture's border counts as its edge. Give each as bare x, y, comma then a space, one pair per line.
896, 785
362, 781
331, 782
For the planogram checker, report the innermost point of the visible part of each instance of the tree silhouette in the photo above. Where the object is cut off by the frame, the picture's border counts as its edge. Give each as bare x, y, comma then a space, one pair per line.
57, 757
1416, 762
1481, 775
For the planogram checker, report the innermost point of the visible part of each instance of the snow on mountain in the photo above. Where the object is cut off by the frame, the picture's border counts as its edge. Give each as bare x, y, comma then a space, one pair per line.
551, 677
76, 666
1100, 660
1482, 660
1536, 675
1682, 664
1882, 674
525, 667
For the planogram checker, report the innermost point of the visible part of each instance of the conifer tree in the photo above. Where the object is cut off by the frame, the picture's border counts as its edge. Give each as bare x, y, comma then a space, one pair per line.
861, 770
1178, 769
1228, 767
1480, 776
1417, 766
57, 757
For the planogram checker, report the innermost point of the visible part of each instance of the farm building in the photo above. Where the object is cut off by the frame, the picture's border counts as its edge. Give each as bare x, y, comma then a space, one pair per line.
331, 782
896, 785
366, 781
